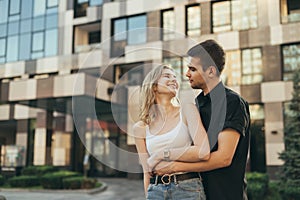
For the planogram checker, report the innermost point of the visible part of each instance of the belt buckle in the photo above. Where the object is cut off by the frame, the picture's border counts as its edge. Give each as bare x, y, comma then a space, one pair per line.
168, 180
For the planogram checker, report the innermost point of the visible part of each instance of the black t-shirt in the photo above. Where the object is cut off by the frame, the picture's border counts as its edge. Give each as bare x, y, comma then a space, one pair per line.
220, 109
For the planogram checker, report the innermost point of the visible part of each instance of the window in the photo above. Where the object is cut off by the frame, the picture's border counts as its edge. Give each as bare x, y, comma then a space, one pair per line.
168, 24
290, 11
231, 75
128, 31
25, 42
4, 11
14, 7
51, 38
12, 48
39, 7
129, 74
257, 111
82, 5
243, 67
26, 9
137, 30
251, 66
86, 37
38, 41
26, 28
179, 64
291, 60
13, 28
234, 15
193, 16
2, 47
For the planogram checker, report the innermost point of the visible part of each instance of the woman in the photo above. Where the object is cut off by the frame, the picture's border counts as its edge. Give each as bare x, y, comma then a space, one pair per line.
165, 131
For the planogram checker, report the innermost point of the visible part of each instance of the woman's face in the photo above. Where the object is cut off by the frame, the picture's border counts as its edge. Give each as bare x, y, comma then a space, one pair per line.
167, 83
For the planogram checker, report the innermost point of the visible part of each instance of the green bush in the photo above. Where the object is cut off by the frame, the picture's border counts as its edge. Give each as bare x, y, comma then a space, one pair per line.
290, 190
2, 180
89, 183
72, 183
257, 185
38, 170
79, 183
55, 180
273, 191
24, 181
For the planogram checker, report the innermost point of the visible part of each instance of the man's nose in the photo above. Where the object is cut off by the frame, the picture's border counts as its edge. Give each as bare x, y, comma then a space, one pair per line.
187, 74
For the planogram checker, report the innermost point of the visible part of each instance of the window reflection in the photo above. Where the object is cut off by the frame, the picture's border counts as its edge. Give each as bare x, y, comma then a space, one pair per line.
12, 48
14, 7
221, 16
4, 11
231, 75
2, 46
38, 41
13, 28
3, 29
51, 21
234, 15
193, 20
243, 67
120, 29
24, 28
51, 42
95, 2
137, 30
168, 24
25, 43
291, 60
39, 24
39, 7
26, 10
251, 66
52, 3
137, 33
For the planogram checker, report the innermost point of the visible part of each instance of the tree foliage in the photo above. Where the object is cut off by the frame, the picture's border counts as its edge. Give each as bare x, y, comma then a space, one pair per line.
290, 179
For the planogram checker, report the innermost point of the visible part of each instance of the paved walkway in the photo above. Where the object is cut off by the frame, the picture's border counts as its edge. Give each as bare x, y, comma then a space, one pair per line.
117, 189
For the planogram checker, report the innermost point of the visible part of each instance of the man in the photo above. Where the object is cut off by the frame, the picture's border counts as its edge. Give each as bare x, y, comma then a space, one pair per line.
226, 118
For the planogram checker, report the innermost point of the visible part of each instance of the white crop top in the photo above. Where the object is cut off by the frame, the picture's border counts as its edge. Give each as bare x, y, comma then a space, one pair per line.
175, 138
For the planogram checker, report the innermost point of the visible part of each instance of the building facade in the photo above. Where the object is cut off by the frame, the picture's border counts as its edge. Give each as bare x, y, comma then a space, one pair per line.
54, 54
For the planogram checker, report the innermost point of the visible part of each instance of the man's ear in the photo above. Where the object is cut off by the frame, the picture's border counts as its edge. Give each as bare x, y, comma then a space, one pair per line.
212, 71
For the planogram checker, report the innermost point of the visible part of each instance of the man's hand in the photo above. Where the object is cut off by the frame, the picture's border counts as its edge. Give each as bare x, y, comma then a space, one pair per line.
164, 168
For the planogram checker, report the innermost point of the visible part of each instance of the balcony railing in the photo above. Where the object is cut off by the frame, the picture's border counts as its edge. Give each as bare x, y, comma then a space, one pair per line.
86, 48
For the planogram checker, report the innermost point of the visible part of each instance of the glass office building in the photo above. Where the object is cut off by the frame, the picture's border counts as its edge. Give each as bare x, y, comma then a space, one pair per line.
52, 51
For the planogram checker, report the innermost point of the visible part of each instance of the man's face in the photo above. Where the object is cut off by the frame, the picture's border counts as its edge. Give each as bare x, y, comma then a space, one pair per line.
197, 77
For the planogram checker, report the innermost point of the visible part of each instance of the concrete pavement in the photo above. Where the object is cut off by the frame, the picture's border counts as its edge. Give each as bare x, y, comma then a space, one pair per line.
117, 189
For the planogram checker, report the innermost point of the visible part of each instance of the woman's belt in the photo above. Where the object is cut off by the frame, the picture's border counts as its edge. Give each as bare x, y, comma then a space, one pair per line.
166, 179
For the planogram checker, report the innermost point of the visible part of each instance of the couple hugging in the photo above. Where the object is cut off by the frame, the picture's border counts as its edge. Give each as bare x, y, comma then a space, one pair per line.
193, 150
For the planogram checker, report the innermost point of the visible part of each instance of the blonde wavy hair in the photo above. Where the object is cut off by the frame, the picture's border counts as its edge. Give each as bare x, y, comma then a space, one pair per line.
147, 93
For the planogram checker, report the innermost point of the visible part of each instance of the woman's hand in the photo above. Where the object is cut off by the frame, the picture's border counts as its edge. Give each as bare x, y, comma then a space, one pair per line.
165, 168
154, 159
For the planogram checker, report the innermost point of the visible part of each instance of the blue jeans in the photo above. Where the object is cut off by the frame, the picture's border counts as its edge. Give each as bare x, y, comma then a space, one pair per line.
191, 189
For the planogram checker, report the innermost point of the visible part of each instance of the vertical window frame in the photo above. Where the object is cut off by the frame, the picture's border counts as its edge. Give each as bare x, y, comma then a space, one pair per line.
170, 32
187, 29
252, 74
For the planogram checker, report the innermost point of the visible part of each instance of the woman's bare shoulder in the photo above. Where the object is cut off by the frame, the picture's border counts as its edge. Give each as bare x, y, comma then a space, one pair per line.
139, 128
